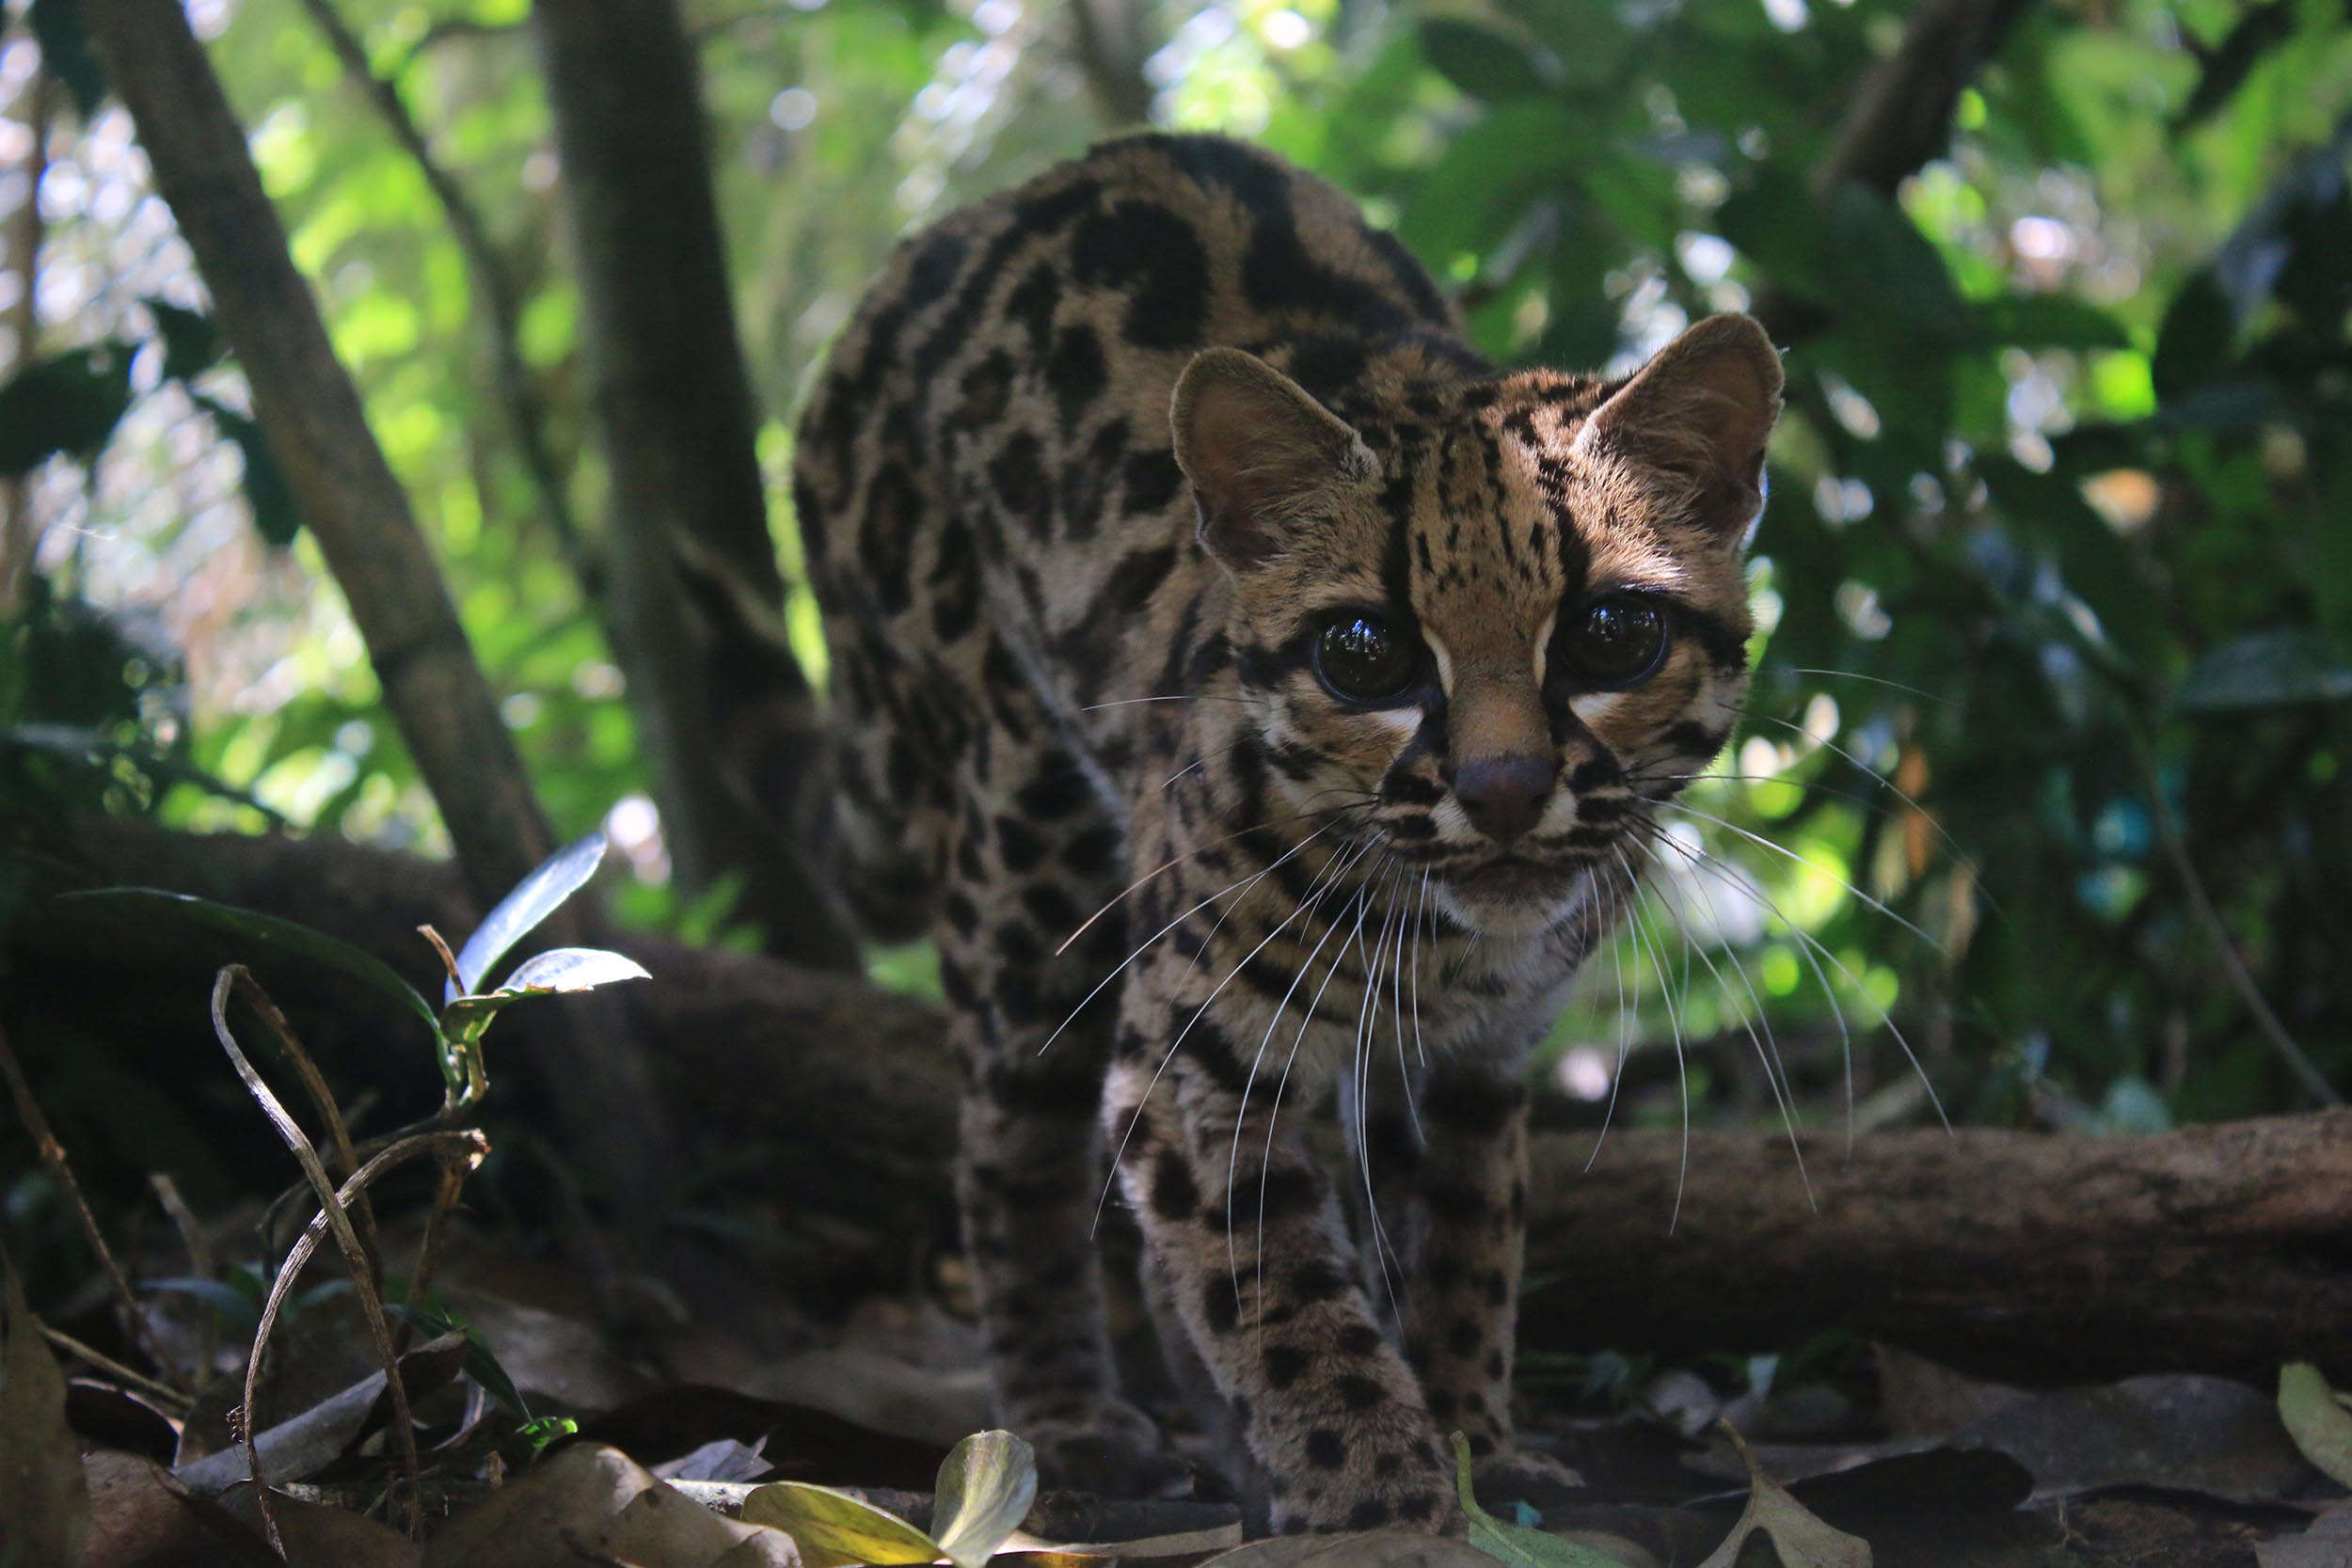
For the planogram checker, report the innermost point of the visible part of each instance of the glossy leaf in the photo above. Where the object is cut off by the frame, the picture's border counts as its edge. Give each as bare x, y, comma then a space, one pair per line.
572, 969
535, 899
986, 1485
258, 933
834, 1529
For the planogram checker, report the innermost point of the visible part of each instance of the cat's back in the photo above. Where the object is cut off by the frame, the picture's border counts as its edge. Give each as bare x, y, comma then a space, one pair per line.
1003, 390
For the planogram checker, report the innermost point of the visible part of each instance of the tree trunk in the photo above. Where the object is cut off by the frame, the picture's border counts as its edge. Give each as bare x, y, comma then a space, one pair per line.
724, 710
353, 504
311, 411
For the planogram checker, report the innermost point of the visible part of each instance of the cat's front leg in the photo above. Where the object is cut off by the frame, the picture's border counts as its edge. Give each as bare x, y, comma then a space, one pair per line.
1249, 1235
1461, 1314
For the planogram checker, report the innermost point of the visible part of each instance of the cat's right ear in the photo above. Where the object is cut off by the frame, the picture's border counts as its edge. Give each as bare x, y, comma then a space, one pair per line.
1259, 452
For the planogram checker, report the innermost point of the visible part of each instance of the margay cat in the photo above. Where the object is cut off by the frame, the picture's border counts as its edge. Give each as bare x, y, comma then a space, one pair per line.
1168, 534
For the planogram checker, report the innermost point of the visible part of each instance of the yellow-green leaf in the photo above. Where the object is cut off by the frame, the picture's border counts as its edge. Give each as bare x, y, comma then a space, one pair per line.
1517, 1544
834, 1529
2320, 1426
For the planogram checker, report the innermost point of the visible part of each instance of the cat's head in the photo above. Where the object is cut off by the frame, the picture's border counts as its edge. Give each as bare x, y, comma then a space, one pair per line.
1493, 617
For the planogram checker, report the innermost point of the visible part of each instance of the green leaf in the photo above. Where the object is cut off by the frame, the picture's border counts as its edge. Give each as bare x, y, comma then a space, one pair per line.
69, 403
535, 899
1487, 63
2320, 1426
834, 1529
65, 49
275, 515
2266, 668
571, 969
192, 343
1515, 1543
2196, 343
479, 1362
2049, 321
1887, 266
269, 934
986, 1485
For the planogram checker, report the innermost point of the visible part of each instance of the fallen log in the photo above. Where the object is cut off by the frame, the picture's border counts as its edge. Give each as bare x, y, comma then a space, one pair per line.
2029, 1256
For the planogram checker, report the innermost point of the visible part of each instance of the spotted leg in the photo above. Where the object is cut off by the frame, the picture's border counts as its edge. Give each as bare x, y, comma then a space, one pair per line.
1256, 1261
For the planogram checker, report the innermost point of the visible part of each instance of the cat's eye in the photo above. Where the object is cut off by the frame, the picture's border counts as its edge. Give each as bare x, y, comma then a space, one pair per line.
1615, 642
1362, 659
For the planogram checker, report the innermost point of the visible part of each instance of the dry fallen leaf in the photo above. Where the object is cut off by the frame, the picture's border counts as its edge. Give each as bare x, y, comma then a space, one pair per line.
1801, 1538
600, 1499
45, 1508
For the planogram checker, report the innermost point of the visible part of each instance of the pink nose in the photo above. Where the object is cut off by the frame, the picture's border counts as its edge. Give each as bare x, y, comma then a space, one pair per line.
1504, 796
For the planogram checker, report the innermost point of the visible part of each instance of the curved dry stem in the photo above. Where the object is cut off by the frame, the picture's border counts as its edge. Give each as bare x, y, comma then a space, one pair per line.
468, 1146
234, 977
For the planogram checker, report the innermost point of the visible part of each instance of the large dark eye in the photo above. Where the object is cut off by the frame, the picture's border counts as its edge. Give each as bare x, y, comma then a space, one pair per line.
1615, 642
1364, 660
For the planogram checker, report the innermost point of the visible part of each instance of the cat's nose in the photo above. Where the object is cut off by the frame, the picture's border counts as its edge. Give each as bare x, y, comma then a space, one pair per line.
1504, 796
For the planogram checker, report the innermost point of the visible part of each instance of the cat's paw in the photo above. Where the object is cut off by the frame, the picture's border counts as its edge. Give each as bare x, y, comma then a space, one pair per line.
1522, 1476
1111, 1449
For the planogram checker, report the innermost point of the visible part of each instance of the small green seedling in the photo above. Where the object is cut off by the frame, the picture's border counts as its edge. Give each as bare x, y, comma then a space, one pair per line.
466, 1012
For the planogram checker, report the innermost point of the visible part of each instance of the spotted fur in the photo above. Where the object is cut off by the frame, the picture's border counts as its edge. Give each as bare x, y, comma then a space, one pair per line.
1083, 484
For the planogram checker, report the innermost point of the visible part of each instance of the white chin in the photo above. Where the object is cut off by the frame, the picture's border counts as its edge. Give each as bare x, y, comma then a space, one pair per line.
1515, 900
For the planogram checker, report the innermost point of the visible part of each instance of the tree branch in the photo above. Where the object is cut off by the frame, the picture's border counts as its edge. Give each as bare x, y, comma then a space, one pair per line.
525, 415
311, 412
1902, 115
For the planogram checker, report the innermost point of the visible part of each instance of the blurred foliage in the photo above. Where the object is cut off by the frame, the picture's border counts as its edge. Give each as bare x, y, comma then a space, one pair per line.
2056, 580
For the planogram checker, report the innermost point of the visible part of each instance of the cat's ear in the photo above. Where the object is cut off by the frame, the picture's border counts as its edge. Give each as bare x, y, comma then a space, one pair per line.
1259, 452
1693, 421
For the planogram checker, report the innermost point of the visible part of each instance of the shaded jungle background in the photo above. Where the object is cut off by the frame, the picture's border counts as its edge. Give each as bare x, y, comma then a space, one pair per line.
2045, 783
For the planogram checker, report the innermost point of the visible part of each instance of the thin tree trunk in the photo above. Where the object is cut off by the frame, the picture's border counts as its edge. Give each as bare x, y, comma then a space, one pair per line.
340, 479
725, 713
355, 508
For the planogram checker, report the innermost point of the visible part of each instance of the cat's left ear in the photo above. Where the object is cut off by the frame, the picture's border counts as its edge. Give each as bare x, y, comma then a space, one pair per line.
1694, 421
1260, 452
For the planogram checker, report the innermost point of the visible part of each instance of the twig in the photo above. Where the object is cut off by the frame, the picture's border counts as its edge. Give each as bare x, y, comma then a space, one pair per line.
162, 1393
199, 1264
468, 1144
2299, 1066
1902, 115
52, 1155
492, 287
323, 1099
445, 1195
234, 977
